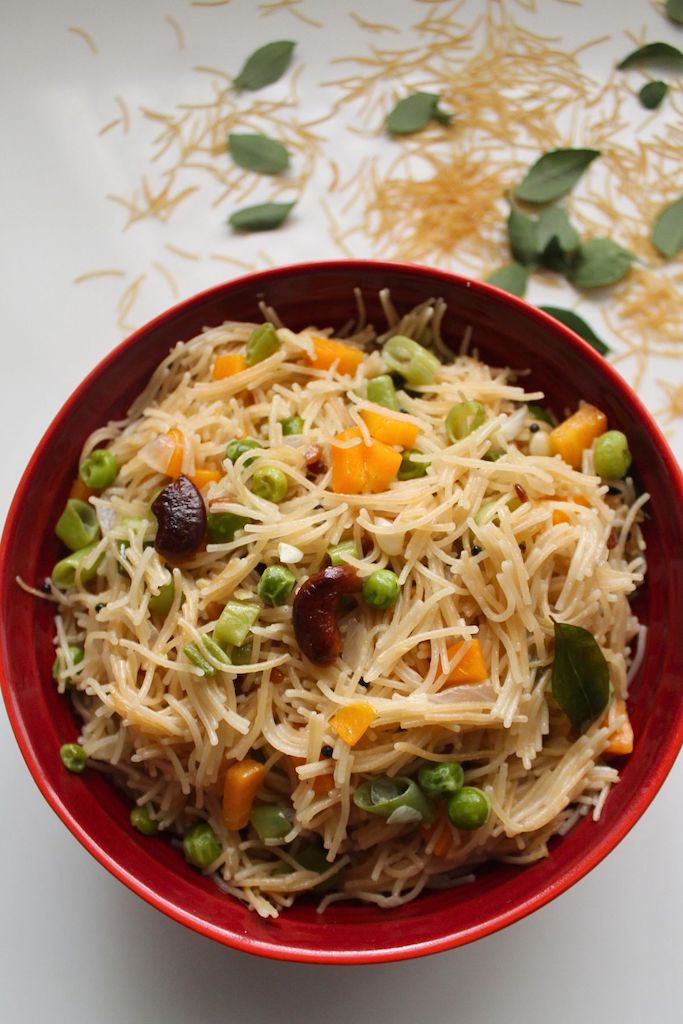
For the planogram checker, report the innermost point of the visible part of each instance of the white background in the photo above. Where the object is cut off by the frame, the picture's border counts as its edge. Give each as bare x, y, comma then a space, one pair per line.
75, 944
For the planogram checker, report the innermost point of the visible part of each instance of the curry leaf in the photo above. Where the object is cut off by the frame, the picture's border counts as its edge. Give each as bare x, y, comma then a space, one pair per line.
414, 112
667, 230
580, 676
258, 153
522, 236
265, 65
674, 9
511, 278
652, 94
554, 174
660, 53
263, 217
599, 262
579, 325
553, 223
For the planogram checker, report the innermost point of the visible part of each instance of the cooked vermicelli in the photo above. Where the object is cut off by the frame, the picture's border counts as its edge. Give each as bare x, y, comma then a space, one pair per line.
396, 547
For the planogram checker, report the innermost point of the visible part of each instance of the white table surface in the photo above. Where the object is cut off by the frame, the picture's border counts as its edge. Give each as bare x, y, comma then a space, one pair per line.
76, 945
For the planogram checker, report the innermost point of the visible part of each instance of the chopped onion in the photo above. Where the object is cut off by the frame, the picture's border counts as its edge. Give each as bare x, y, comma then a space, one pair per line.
512, 424
157, 453
392, 542
288, 554
403, 815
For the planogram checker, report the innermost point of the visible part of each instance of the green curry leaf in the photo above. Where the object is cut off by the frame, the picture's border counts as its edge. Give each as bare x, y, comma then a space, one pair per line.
554, 174
579, 325
511, 278
599, 262
660, 53
522, 236
258, 153
262, 217
265, 65
667, 230
580, 675
652, 94
414, 112
674, 10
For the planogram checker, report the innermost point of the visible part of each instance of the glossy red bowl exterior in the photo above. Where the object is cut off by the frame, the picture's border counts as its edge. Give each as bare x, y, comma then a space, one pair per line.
506, 331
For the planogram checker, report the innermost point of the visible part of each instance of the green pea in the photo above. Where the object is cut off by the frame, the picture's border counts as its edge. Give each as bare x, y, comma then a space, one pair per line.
98, 470
381, 391
221, 527
276, 584
239, 446
262, 343
416, 365
469, 808
409, 468
439, 779
77, 526
201, 846
235, 622
339, 553
463, 418
611, 455
74, 757
63, 574
292, 425
242, 654
269, 482
193, 654
271, 821
142, 820
60, 663
387, 796
161, 603
381, 589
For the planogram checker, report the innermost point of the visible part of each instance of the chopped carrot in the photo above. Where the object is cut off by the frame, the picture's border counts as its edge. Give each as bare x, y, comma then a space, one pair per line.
352, 722
560, 516
80, 490
621, 740
228, 365
241, 784
576, 433
329, 351
579, 499
470, 669
440, 832
362, 468
390, 429
175, 463
201, 477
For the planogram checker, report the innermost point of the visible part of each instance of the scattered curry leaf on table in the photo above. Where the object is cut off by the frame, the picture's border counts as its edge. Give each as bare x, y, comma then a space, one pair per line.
599, 262
262, 217
674, 10
580, 675
652, 53
523, 237
571, 319
652, 94
667, 230
553, 223
554, 174
258, 153
511, 278
265, 65
414, 112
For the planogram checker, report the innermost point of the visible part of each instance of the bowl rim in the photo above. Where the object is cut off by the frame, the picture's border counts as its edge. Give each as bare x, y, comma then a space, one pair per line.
280, 950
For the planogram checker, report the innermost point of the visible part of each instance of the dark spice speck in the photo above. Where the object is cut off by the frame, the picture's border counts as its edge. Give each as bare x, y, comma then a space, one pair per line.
534, 428
475, 549
99, 606
361, 682
46, 587
327, 750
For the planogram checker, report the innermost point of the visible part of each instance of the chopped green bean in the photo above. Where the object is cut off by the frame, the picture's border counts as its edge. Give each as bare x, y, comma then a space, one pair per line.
292, 425
162, 601
215, 650
463, 418
142, 820
60, 664
242, 654
469, 808
381, 589
74, 757
235, 622
276, 585
381, 391
201, 846
415, 364
64, 573
410, 469
394, 797
262, 343
312, 857
270, 483
193, 654
77, 526
611, 455
98, 470
339, 553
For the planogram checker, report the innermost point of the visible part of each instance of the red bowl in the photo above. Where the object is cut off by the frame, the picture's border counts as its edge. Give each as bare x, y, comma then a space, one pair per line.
506, 331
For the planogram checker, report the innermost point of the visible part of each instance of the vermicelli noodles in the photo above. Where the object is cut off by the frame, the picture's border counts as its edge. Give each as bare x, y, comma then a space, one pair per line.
492, 540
